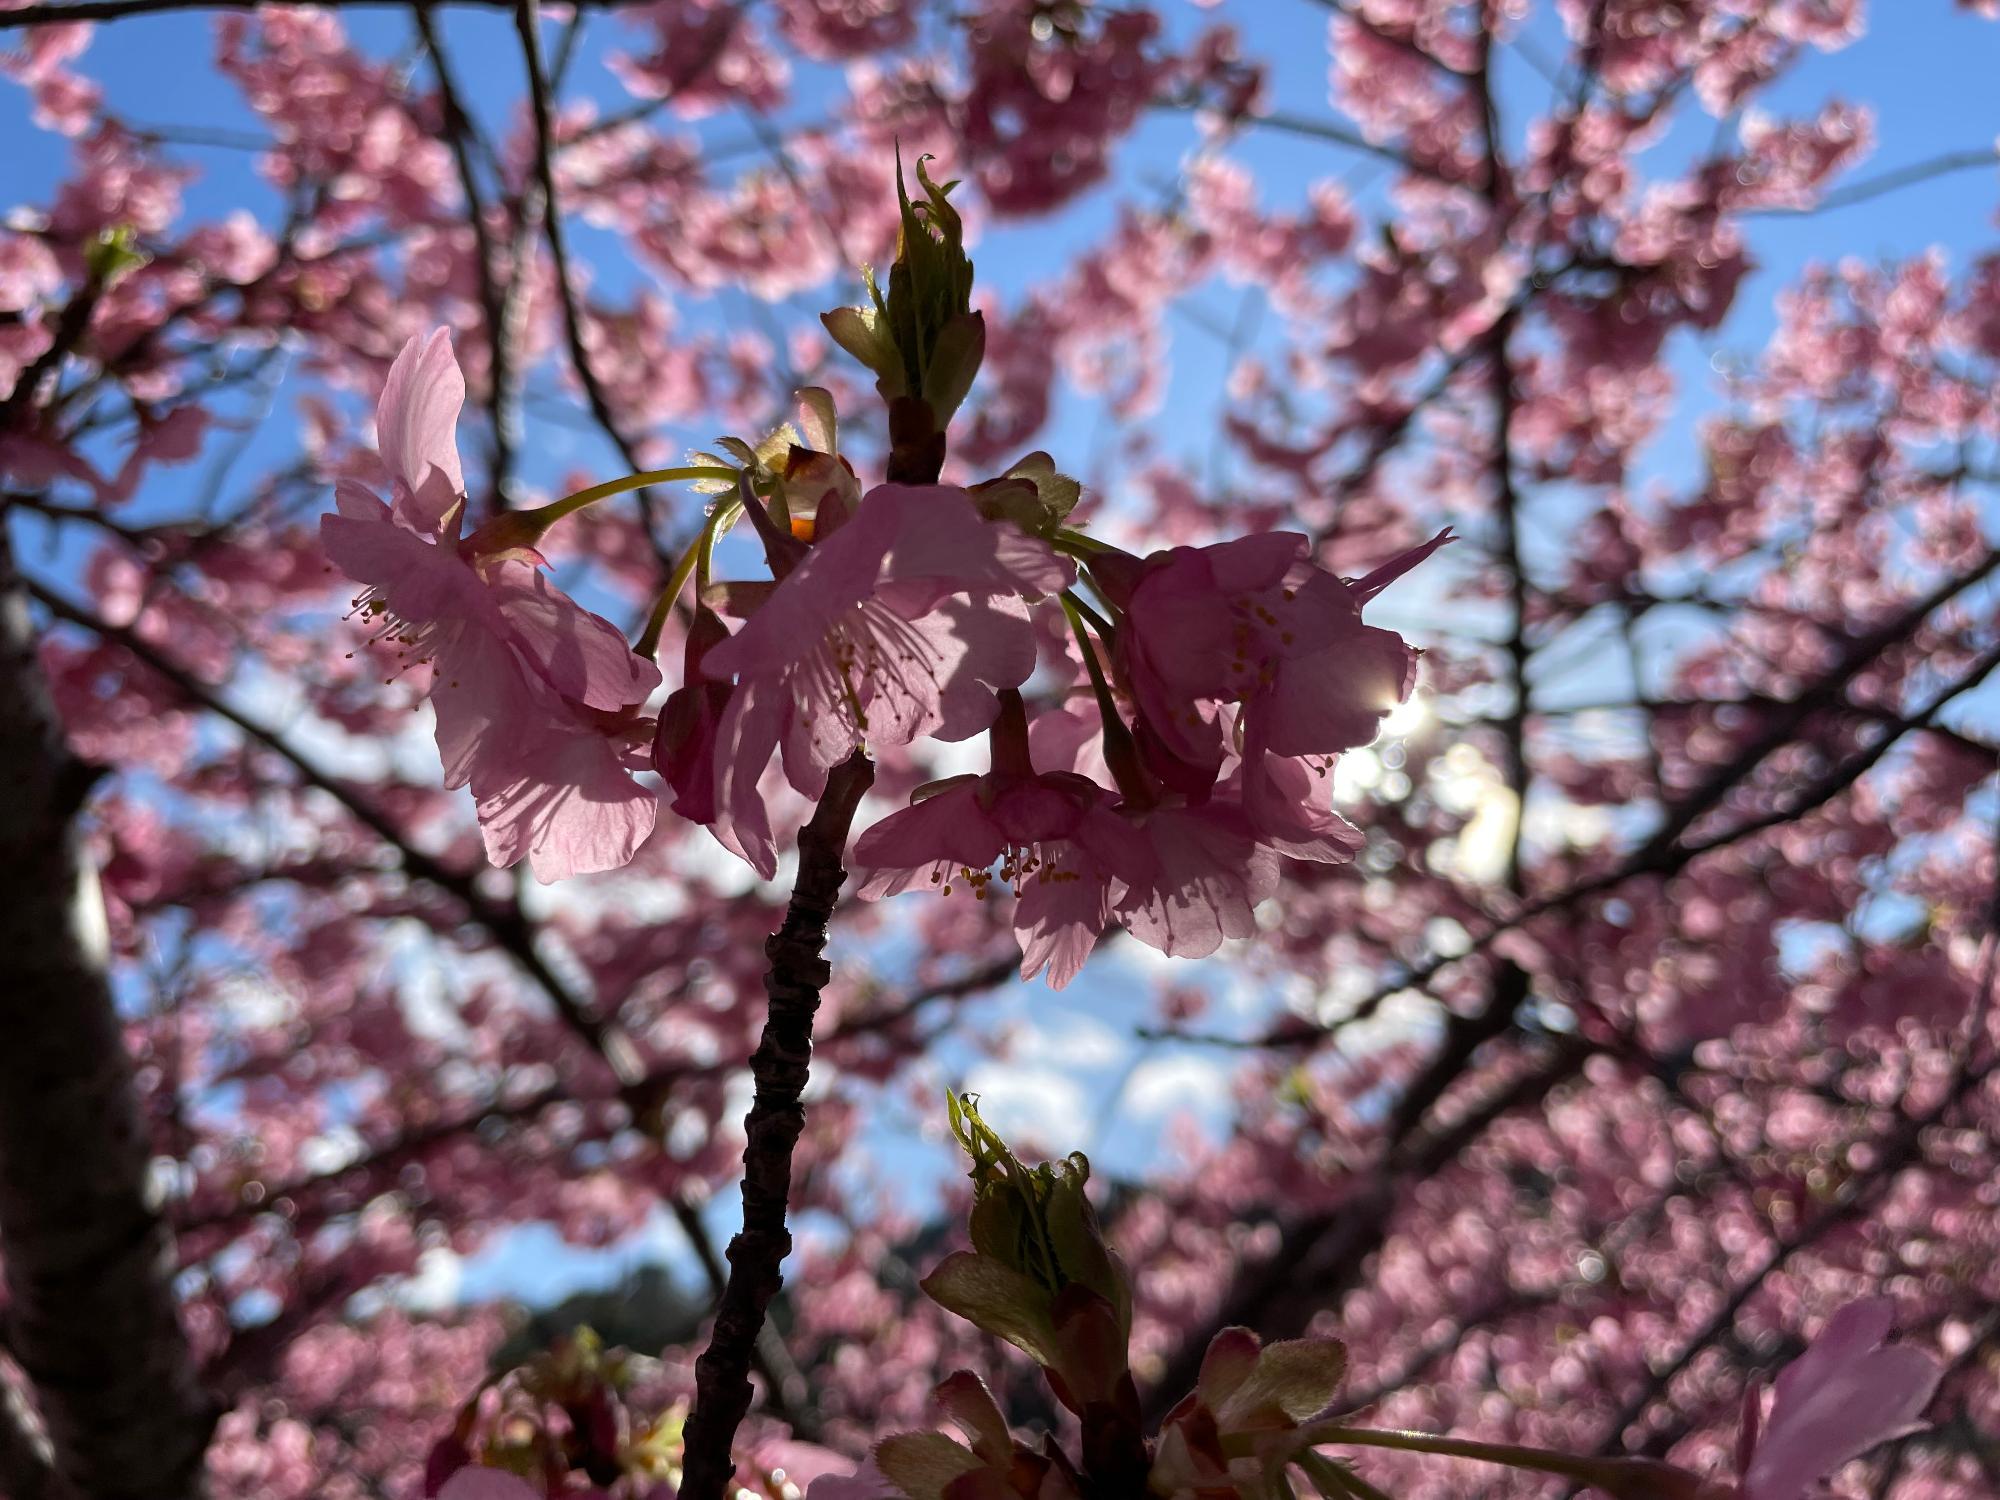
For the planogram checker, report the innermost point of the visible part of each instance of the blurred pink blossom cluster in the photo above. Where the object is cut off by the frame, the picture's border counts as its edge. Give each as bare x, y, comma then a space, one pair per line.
1269, 1418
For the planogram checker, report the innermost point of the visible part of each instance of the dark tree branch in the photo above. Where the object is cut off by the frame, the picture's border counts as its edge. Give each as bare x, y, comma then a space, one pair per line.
785, 1389
113, 10
527, 24
1825, 693
459, 134
780, 1066
27, 1466
1507, 495
91, 1313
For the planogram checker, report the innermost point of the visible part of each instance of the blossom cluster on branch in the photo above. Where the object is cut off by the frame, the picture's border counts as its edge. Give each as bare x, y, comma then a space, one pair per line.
1225, 680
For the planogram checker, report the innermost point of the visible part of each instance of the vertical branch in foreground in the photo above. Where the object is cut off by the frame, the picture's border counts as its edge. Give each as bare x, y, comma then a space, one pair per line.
924, 342
779, 1066
91, 1315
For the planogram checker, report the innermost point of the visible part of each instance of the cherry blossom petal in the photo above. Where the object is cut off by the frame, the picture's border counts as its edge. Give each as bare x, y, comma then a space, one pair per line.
581, 655
565, 801
416, 426
1847, 1393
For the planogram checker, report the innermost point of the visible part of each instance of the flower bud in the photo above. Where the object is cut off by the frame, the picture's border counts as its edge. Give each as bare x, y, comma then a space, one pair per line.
922, 338
1039, 1273
1032, 494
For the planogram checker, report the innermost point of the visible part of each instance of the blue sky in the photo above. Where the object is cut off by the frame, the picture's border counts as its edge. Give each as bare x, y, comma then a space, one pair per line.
1926, 67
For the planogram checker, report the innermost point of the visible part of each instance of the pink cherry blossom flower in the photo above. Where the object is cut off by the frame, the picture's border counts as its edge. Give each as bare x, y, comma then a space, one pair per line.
1180, 876
898, 623
1848, 1392
1254, 622
416, 431
968, 824
706, 788
1051, 835
535, 696
1288, 804
1212, 857
1203, 882
564, 797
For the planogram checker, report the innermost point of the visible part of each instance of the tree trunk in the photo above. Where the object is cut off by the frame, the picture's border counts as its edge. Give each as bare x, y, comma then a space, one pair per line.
90, 1314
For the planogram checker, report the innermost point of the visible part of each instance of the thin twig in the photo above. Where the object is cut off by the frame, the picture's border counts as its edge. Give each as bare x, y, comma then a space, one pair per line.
1326, 130
527, 24
459, 133
1948, 164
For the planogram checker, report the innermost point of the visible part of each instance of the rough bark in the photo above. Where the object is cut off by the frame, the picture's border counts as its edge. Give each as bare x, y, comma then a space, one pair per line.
90, 1314
26, 1472
780, 1066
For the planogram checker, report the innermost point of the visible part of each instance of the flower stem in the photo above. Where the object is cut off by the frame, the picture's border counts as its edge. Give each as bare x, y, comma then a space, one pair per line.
1104, 628
545, 516
648, 644
1078, 544
693, 561
1633, 1478
1121, 751
704, 545
780, 1067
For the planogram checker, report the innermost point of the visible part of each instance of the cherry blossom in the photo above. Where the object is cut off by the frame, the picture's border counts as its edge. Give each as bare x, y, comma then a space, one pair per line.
1847, 1393
1052, 835
899, 622
534, 695
1252, 622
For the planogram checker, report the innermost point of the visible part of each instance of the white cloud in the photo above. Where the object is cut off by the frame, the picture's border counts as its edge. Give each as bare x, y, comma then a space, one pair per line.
1161, 1087
435, 1287
1030, 1106
1071, 1042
